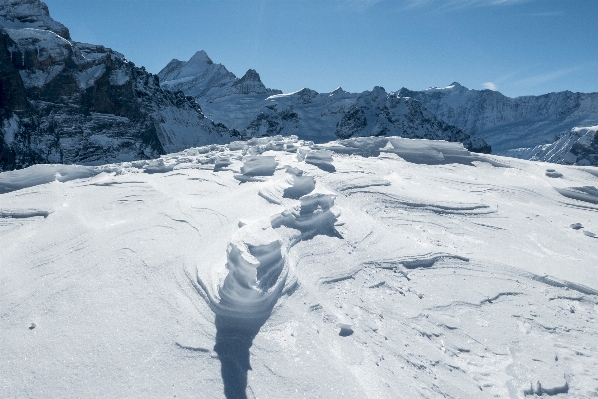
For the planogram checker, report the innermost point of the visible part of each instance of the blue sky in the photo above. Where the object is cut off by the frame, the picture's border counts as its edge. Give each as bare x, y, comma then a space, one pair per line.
518, 47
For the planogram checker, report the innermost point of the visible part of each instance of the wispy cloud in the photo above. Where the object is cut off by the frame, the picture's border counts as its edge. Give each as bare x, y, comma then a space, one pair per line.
357, 5
545, 14
489, 86
451, 5
547, 77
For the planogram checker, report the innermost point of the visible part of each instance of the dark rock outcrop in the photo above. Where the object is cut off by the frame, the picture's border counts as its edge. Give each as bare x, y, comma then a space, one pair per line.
70, 102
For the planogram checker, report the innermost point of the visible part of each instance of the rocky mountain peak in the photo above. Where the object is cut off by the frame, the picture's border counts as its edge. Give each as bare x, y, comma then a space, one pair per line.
338, 90
249, 83
250, 76
19, 14
200, 58
68, 102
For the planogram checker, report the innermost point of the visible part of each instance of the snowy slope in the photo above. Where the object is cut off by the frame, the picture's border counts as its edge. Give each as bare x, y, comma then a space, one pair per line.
364, 268
512, 126
579, 146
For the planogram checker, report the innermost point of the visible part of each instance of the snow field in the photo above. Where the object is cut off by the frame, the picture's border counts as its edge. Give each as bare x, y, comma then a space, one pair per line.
370, 277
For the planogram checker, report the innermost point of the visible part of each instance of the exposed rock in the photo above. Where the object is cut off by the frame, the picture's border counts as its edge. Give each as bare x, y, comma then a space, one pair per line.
70, 102
247, 106
579, 146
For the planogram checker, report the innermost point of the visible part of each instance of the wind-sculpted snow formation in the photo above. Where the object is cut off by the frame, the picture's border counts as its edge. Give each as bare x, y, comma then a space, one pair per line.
368, 267
62, 101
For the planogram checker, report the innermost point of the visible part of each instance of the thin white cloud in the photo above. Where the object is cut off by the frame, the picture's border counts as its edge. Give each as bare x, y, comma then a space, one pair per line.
490, 86
547, 77
545, 14
452, 5
357, 5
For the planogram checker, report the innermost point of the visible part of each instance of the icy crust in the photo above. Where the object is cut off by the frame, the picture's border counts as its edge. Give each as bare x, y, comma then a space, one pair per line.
42, 174
256, 167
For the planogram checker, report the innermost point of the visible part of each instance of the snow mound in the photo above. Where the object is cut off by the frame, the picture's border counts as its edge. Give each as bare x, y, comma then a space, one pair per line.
41, 174
257, 273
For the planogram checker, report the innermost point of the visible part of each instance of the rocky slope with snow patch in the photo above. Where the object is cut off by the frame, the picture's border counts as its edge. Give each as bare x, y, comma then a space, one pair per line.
579, 146
70, 102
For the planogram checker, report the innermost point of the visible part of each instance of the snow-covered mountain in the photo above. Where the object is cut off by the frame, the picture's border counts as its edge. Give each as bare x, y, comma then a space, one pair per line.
374, 267
70, 102
247, 106
201, 78
518, 126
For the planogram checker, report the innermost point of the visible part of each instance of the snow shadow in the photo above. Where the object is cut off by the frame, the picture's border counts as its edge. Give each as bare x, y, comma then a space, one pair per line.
314, 217
234, 337
319, 158
586, 194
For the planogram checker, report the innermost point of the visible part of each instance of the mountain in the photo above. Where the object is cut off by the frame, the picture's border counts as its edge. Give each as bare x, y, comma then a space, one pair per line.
197, 77
372, 267
481, 119
70, 102
201, 78
518, 126
247, 106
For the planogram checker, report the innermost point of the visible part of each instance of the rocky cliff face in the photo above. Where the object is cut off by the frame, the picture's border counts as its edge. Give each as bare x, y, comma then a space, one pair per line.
513, 126
70, 102
250, 108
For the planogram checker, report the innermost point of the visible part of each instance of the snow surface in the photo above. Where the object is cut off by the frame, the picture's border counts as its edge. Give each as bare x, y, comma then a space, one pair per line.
383, 268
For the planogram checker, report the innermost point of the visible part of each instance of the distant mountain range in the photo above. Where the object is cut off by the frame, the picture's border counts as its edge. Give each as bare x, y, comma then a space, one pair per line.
253, 110
62, 101
556, 127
